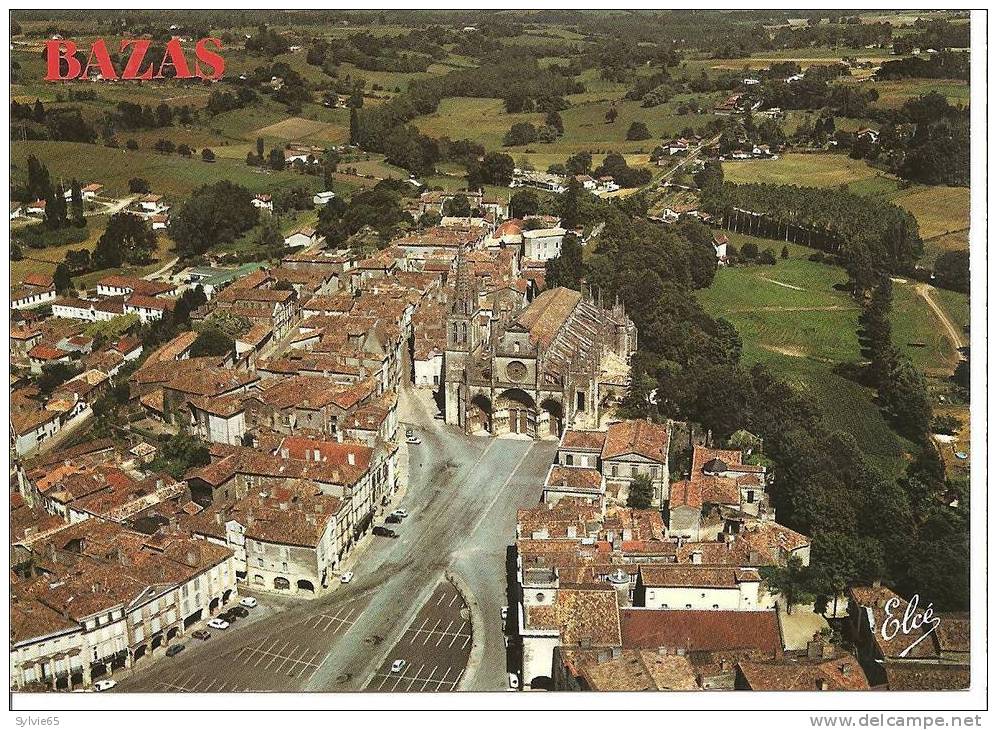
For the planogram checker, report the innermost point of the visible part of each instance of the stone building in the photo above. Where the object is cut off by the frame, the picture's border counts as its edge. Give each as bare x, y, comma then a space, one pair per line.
559, 362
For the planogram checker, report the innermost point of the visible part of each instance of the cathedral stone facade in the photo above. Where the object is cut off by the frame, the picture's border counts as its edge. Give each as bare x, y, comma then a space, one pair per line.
560, 362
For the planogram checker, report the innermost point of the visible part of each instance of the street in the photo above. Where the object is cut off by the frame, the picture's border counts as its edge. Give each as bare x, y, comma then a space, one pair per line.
462, 497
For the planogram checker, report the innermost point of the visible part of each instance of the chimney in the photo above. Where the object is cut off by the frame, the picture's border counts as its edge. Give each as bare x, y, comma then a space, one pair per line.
697, 557
351, 458
878, 583
846, 669
191, 558
822, 685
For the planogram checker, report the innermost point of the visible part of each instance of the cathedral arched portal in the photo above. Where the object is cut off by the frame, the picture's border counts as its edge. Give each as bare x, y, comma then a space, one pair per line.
515, 412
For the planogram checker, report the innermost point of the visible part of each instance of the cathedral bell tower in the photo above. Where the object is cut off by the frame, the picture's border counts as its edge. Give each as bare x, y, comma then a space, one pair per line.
462, 339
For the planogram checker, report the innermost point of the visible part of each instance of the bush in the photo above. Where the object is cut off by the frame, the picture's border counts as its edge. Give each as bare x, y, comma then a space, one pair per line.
638, 131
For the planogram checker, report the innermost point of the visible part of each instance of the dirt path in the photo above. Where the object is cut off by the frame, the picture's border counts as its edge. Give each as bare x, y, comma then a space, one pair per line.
166, 267
782, 283
924, 290
774, 308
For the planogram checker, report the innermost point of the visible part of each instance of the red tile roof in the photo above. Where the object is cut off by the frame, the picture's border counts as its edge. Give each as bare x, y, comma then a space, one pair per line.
644, 628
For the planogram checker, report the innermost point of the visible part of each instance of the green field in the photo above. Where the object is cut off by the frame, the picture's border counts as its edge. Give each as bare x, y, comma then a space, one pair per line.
792, 319
918, 332
169, 175
812, 170
942, 212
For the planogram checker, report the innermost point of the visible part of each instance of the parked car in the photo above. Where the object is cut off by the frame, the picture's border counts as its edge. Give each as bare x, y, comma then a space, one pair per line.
238, 611
413, 440
217, 623
346, 577
248, 602
505, 613
513, 681
383, 531
175, 649
201, 634
393, 519
230, 616
409, 432
401, 512
398, 666
104, 684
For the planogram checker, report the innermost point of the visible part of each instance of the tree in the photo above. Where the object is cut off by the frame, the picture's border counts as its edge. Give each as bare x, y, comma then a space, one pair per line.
458, 206
55, 209
570, 204
259, 146
638, 131
767, 257
55, 374
952, 270
641, 492
785, 252
61, 278
519, 134
494, 169
579, 163
76, 203
212, 341
791, 582
131, 144
126, 239
164, 115
524, 203
207, 155
275, 160
179, 454
553, 120
611, 115
139, 185
216, 213
566, 269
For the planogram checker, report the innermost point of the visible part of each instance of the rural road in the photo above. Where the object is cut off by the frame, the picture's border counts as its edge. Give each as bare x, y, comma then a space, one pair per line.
166, 267
924, 290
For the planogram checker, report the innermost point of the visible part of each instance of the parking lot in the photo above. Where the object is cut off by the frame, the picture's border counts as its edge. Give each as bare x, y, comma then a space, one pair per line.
436, 646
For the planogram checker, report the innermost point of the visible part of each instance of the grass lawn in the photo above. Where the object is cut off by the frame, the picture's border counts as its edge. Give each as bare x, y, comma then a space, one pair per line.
955, 305
802, 333
170, 175
918, 332
813, 170
939, 209
893, 94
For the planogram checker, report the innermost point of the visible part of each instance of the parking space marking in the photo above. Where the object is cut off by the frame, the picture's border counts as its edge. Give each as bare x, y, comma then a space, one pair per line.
274, 656
416, 682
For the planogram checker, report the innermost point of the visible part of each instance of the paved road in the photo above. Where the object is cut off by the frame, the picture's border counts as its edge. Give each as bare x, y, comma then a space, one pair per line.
462, 498
434, 648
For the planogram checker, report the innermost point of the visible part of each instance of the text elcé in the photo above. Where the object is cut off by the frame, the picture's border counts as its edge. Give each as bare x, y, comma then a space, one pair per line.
62, 63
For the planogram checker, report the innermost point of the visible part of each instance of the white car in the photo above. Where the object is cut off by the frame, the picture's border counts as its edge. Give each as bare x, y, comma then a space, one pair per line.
414, 440
398, 665
217, 623
104, 684
513, 681
346, 577
248, 602
400, 513
505, 613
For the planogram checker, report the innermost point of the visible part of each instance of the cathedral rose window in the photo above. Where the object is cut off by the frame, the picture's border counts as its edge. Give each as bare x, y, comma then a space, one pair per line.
516, 371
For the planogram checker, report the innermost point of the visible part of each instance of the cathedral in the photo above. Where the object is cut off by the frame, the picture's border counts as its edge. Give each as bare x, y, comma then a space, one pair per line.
562, 361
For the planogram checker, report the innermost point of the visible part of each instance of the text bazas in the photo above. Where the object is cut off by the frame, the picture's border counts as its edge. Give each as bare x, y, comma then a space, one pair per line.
62, 64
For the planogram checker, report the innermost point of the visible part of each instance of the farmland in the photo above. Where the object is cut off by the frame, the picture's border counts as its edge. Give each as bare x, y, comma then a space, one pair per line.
169, 175
795, 318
